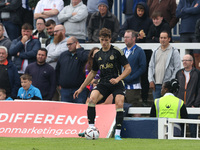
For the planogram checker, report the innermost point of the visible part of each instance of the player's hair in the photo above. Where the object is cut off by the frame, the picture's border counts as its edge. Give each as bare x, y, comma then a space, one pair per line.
42, 19
73, 38
50, 22
140, 6
168, 34
3, 91
172, 86
26, 77
104, 32
27, 26
44, 50
89, 63
133, 33
3, 47
156, 14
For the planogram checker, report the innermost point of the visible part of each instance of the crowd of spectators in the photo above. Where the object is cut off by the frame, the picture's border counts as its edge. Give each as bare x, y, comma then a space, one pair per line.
62, 25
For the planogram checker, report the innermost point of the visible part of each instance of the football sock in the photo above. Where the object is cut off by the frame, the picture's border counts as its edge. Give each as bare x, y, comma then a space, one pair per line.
91, 113
117, 132
119, 118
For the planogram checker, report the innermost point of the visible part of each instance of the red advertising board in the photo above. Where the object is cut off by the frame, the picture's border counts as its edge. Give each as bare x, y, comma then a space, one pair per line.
51, 119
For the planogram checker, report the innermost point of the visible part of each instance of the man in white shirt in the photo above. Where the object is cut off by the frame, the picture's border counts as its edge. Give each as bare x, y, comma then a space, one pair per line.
48, 9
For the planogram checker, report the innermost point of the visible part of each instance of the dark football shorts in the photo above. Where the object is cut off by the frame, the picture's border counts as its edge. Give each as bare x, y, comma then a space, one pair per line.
107, 88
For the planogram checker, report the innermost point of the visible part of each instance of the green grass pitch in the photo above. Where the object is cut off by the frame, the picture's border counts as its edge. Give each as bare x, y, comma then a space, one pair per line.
100, 144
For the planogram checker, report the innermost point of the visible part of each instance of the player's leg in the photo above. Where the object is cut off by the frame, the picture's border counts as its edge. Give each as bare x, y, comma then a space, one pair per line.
91, 112
95, 96
119, 102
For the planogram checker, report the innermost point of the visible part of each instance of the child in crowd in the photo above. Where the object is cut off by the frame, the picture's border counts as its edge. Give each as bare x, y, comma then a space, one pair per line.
159, 25
3, 95
28, 91
139, 22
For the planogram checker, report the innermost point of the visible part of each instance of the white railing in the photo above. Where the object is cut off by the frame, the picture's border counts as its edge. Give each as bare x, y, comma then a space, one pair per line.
166, 128
146, 110
182, 47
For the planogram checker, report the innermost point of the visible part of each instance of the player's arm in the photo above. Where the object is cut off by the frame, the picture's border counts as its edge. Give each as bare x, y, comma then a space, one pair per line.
125, 73
89, 78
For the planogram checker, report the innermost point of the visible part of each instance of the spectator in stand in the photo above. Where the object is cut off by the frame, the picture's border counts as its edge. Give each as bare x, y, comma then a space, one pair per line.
165, 62
11, 17
3, 95
137, 60
24, 48
92, 7
70, 71
40, 31
4, 41
27, 12
128, 7
166, 7
58, 46
28, 91
189, 12
139, 22
32, 3
9, 78
88, 67
159, 25
189, 91
50, 24
43, 75
102, 19
74, 18
48, 9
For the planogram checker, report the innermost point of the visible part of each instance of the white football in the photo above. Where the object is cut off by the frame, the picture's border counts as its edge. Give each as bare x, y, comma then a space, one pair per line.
92, 133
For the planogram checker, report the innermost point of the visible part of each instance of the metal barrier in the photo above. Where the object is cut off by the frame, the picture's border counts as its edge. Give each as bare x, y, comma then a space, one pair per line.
166, 128
182, 47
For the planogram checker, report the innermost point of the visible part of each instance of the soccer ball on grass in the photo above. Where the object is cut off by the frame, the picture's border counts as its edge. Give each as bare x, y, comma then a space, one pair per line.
92, 133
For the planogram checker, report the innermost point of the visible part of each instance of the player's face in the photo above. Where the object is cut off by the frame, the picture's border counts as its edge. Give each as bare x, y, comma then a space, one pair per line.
1, 32
103, 9
26, 84
2, 96
164, 39
157, 21
28, 33
128, 39
41, 57
105, 42
140, 12
71, 45
3, 55
187, 62
50, 30
40, 25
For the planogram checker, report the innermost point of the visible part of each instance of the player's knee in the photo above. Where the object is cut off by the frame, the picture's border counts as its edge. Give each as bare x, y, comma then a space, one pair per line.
91, 101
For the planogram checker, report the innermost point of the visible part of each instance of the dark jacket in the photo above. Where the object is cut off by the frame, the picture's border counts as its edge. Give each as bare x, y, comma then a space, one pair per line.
70, 68
14, 9
44, 78
31, 51
166, 7
137, 23
137, 61
14, 79
154, 31
190, 94
97, 22
188, 14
